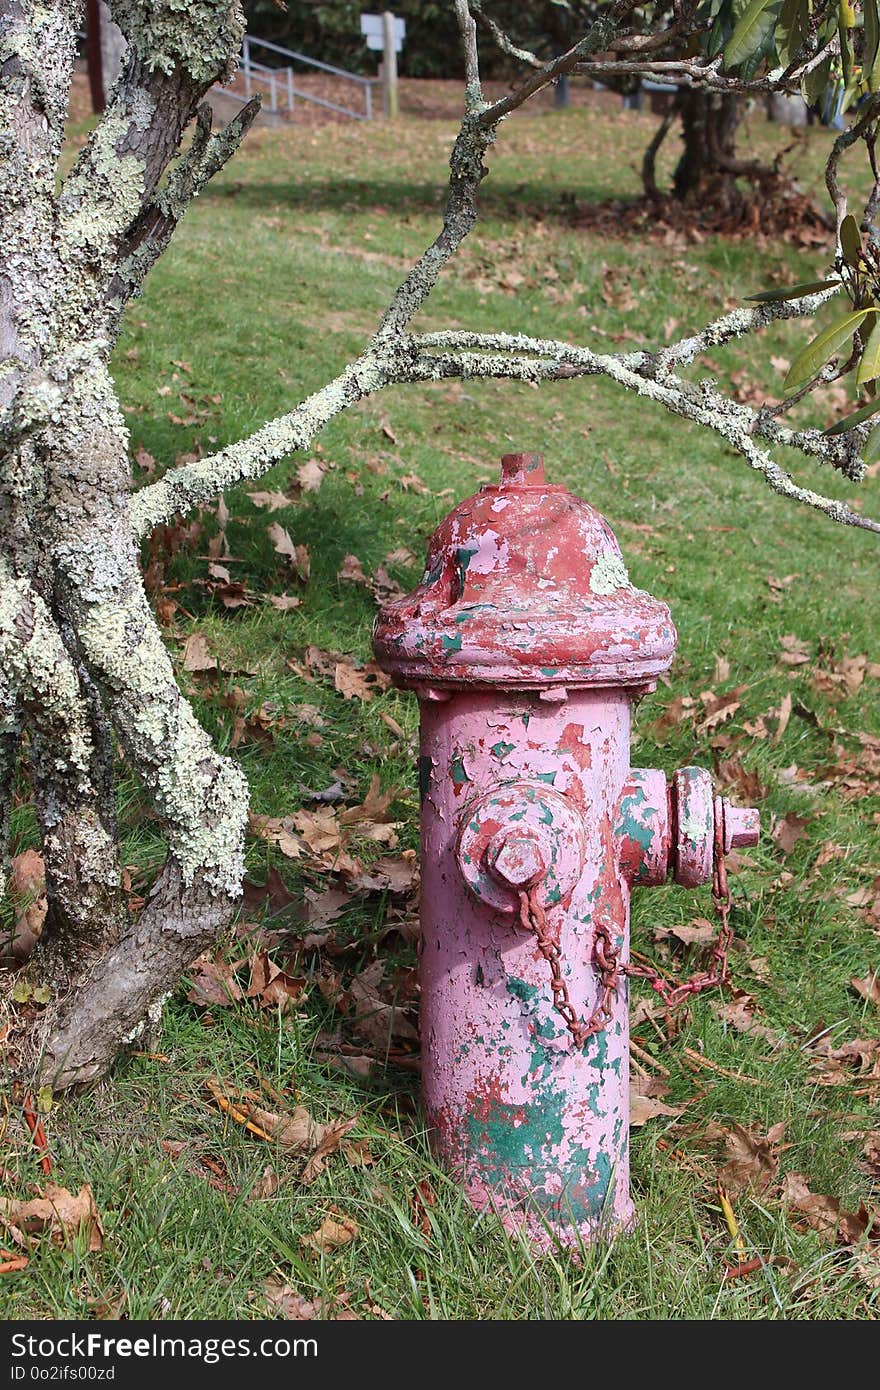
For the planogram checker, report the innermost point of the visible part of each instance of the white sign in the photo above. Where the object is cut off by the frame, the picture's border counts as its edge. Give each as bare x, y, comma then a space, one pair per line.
371, 28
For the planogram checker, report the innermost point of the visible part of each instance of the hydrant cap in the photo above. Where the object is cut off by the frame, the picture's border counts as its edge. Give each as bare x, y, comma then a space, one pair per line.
524, 585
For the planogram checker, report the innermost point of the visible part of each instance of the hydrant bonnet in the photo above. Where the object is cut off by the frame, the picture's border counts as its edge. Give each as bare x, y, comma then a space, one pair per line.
525, 586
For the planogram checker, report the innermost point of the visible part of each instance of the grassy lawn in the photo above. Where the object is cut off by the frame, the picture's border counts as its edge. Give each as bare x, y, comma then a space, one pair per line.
270, 287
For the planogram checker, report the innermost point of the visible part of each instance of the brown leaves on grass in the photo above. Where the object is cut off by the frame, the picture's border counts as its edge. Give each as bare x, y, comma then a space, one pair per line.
788, 829
296, 1132
869, 987
853, 1062
324, 834
60, 1214
297, 556
212, 983
335, 1230
753, 1158
741, 1012
27, 893
826, 1215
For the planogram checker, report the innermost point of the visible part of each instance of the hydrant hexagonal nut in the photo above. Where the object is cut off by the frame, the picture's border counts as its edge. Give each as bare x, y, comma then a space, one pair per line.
516, 858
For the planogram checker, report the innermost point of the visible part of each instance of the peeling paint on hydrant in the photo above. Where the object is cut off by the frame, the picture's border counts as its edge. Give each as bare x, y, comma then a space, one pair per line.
528, 646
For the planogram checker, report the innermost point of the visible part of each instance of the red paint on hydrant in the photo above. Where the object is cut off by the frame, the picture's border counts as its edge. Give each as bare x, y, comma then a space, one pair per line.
528, 646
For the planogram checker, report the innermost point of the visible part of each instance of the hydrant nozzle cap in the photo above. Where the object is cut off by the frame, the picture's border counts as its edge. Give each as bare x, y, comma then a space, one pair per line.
524, 586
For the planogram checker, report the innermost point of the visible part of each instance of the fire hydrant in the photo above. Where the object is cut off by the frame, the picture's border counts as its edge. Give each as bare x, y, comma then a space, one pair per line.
528, 647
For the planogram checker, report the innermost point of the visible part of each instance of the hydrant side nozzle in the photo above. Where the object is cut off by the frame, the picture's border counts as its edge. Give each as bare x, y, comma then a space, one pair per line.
742, 826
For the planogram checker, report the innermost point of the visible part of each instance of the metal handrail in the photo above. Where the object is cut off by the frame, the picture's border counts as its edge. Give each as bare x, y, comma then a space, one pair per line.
271, 75
304, 58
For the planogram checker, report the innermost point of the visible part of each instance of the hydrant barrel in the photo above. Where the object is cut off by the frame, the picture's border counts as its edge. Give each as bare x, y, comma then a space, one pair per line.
527, 645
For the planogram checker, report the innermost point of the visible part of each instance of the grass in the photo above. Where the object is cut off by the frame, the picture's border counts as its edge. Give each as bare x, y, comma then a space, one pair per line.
271, 285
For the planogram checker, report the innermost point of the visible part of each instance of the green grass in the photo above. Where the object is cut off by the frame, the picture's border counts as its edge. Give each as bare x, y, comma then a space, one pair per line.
272, 284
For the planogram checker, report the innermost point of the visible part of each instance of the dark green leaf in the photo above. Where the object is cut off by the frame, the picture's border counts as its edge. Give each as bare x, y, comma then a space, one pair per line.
869, 364
871, 451
792, 28
792, 292
822, 347
871, 42
815, 82
750, 32
850, 240
849, 422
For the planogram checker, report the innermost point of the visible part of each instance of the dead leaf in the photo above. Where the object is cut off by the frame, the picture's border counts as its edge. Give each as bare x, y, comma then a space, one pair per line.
379, 1018
59, 1212
275, 501
783, 715
359, 683
310, 475
272, 986
869, 987
284, 1302
741, 1014
754, 1158
212, 983
351, 571
825, 1214
27, 893
329, 1142
284, 602
699, 932
297, 555
644, 1108
794, 651
196, 656
788, 830
334, 1231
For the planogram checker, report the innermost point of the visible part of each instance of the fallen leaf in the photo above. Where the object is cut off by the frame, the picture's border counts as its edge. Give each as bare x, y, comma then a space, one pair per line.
310, 475
359, 682
196, 656
27, 894
644, 1108
794, 651
328, 1144
754, 1158
788, 830
699, 932
212, 983
741, 1014
334, 1231
869, 987
275, 501
377, 1017
351, 571
58, 1212
284, 1302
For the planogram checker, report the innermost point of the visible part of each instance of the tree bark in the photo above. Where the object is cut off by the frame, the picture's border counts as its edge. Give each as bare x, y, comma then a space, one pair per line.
706, 173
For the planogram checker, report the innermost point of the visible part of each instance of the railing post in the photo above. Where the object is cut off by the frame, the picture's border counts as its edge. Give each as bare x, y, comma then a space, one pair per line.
273, 91
290, 88
246, 63
368, 89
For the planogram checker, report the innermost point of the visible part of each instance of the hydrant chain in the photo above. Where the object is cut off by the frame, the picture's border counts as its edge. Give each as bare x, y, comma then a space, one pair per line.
609, 968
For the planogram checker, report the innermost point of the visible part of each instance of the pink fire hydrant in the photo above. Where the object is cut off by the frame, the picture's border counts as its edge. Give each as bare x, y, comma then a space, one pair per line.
528, 646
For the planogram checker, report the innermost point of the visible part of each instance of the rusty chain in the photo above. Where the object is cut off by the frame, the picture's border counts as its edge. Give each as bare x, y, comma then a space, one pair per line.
606, 958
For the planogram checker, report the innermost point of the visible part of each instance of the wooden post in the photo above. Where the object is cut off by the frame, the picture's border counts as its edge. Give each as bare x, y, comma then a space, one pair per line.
389, 67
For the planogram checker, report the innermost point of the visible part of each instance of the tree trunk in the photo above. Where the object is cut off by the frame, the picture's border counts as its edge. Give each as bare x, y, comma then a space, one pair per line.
706, 173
